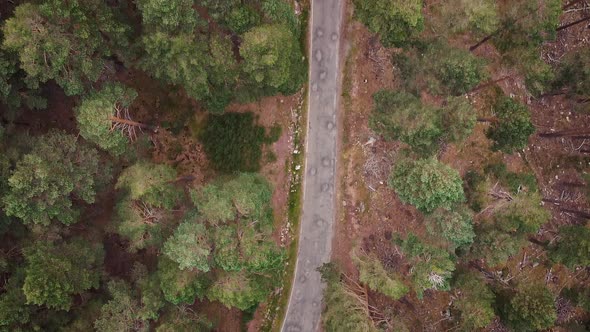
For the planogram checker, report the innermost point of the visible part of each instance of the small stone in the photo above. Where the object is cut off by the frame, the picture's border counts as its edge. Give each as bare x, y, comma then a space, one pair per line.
334, 36
323, 74
298, 167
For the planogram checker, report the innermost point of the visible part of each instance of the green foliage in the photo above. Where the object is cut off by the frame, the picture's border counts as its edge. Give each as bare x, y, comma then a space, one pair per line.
458, 119
242, 246
95, 112
177, 59
242, 19
242, 206
439, 68
531, 309
190, 246
240, 220
168, 16
396, 21
529, 30
149, 195
84, 317
537, 73
515, 182
14, 311
400, 115
8, 67
427, 184
273, 59
218, 9
150, 183
54, 273
373, 274
495, 246
513, 127
46, 181
432, 266
139, 223
63, 40
240, 289
506, 234
343, 310
281, 11
182, 319
456, 71
475, 302
574, 75
573, 247
180, 286
524, 215
248, 194
479, 17
233, 142
454, 225
223, 74
13, 91
147, 290
120, 312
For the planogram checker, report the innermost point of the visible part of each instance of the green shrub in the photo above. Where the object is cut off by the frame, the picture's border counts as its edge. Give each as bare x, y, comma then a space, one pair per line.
402, 116
373, 274
233, 142
242, 18
455, 226
427, 184
396, 21
531, 309
513, 126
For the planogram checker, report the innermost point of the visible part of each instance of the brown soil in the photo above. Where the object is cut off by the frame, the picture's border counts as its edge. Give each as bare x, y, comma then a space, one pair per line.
371, 213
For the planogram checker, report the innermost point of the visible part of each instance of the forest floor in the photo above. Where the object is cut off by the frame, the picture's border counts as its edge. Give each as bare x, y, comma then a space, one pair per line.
370, 213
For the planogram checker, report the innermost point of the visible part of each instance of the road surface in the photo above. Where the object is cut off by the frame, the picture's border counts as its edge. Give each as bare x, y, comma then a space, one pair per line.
318, 214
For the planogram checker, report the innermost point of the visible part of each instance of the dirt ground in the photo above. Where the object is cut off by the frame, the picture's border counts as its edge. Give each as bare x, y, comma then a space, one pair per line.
370, 212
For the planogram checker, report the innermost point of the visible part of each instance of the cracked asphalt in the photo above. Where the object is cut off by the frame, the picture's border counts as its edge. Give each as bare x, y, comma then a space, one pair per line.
318, 214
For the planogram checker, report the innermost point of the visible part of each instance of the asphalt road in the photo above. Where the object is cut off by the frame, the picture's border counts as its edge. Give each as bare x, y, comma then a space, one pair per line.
318, 215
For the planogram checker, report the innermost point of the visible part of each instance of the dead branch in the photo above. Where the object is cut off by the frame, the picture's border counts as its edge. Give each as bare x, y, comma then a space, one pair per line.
497, 193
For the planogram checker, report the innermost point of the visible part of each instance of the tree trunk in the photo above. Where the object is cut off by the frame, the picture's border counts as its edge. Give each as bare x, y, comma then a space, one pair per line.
551, 94
552, 201
537, 242
487, 38
134, 123
573, 133
572, 184
578, 213
483, 41
492, 119
573, 23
